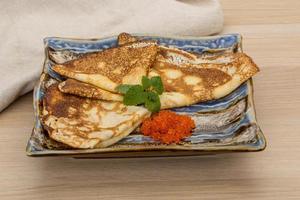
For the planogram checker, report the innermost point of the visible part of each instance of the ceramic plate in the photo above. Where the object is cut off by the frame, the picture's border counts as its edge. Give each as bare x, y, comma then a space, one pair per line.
224, 125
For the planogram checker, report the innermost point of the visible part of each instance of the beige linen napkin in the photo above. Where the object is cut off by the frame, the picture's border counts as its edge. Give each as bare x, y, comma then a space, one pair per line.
24, 24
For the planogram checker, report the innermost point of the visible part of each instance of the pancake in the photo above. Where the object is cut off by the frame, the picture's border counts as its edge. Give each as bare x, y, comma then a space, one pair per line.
86, 123
72, 86
109, 68
193, 83
190, 79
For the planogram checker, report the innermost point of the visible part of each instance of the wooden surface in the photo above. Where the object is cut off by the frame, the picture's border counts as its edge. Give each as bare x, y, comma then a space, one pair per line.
271, 31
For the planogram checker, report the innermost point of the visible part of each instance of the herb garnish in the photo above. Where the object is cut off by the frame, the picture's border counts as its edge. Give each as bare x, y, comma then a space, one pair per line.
146, 94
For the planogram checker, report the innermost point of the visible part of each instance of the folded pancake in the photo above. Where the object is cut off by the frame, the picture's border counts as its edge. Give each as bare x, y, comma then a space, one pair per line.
86, 123
109, 68
72, 86
190, 79
192, 83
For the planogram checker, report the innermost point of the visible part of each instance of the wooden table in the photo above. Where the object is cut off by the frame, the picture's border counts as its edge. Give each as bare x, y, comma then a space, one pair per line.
271, 31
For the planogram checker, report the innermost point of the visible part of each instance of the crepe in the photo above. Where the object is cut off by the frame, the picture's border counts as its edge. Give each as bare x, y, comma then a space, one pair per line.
109, 68
86, 123
192, 83
190, 79
72, 86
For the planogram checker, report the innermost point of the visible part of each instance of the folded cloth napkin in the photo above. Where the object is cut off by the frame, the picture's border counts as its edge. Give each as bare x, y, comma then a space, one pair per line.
24, 24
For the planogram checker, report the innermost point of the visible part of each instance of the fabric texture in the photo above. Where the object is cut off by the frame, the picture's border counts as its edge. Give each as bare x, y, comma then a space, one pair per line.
24, 24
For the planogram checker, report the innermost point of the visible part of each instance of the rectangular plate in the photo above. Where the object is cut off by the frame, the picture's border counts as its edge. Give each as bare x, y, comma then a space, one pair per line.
224, 125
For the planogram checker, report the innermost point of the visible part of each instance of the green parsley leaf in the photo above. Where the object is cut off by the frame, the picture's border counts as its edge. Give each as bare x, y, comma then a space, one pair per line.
152, 102
157, 84
135, 95
146, 82
123, 88
147, 93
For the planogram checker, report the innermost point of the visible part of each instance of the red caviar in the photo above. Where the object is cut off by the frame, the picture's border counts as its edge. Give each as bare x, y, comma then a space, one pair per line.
168, 127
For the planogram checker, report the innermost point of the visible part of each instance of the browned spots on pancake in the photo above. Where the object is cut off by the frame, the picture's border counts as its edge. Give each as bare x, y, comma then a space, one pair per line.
243, 64
72, 86
58, 103
248, 67
115, 63
76, 87
211, 77
208, 79
66, 105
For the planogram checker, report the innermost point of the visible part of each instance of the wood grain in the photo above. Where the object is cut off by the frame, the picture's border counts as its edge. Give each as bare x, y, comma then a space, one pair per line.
271, 31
